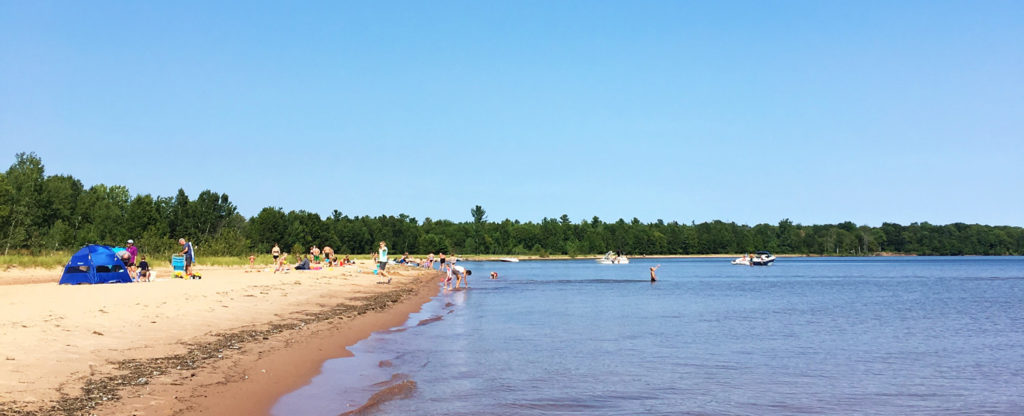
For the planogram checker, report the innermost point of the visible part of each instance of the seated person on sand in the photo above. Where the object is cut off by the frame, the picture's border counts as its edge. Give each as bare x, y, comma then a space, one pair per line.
282, 263
143, 269
302, 264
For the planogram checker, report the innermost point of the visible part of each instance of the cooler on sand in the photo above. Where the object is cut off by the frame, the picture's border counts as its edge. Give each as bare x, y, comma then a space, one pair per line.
178, 264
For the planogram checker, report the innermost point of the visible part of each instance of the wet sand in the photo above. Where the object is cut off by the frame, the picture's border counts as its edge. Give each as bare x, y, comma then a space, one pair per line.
229, 344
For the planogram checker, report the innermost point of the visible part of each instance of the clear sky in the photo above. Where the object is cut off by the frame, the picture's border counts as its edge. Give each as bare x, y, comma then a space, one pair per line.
817, 111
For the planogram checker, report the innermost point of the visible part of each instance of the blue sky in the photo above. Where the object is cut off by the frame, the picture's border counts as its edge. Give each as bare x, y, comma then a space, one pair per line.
751, 112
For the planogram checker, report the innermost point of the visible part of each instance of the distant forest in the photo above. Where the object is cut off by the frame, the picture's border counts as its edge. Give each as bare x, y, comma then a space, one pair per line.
41, 213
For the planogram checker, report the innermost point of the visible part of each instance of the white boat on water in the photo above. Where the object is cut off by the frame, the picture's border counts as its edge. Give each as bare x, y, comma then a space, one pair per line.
509, 259
761, 258
612, 258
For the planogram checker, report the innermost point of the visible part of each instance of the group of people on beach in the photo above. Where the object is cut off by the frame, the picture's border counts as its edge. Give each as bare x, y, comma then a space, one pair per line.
315, 258
139, 272
138, 268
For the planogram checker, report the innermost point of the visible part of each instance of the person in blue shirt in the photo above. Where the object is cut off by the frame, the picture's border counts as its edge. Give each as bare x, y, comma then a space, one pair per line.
189, 253
382, 261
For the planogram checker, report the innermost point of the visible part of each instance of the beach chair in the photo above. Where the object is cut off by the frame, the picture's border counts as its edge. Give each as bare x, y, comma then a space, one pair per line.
178, 264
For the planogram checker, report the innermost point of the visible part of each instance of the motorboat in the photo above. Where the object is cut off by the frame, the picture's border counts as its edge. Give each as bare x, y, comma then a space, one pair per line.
509, 259
612, 258
761, 258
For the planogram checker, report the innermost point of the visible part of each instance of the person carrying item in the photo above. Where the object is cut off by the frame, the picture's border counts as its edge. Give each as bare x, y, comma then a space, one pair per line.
189, 252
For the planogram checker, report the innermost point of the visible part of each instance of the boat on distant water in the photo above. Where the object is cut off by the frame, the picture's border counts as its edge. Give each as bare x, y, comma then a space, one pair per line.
509, 259
612, 258
761, 258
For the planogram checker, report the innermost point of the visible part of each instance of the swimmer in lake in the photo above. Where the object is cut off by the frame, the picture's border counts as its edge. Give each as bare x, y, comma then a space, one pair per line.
653, 277
494, 275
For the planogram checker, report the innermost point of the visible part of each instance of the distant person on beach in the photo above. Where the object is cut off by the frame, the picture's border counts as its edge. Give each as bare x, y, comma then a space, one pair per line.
430, 260
133, 252
382, 260
303, 264
143, 270
189, 253
653, 277
315, 253
441, 262
252, 261
346, 260
329, 256
276, 252
282, 263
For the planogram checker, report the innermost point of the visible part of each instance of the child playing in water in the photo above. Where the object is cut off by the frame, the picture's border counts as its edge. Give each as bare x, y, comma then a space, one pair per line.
447, 279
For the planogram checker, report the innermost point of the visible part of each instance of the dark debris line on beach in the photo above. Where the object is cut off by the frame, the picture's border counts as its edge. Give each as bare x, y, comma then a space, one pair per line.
97, 391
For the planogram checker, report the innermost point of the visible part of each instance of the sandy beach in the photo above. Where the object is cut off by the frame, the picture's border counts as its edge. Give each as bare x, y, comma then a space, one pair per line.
229, 344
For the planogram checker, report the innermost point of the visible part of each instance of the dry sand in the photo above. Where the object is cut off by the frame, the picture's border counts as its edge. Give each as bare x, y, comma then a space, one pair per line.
231, 343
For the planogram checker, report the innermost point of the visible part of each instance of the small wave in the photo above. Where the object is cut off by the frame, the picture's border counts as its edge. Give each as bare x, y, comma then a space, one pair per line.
429, 320
396, 391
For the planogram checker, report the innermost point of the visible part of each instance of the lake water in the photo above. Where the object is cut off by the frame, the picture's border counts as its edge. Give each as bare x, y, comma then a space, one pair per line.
921, 335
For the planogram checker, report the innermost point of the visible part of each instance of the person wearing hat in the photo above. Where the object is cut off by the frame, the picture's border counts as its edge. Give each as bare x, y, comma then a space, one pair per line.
132, 253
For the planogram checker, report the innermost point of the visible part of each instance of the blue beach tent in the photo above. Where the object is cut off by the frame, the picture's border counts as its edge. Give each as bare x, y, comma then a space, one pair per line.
95, 264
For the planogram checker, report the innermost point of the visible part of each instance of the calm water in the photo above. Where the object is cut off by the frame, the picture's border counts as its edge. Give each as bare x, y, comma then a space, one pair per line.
926, 336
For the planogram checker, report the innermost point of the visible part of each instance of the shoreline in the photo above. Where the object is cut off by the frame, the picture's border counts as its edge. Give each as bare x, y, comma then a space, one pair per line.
241, 364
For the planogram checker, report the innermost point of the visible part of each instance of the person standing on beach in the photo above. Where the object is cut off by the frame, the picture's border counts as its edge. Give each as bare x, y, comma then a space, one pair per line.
329, 256
653, 277
315, 253
276, 252
133, 252
189, 253
441, 262
382, 260
430, 260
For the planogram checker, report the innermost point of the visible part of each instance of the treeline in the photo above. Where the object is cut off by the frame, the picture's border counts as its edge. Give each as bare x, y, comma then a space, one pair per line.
42, 213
